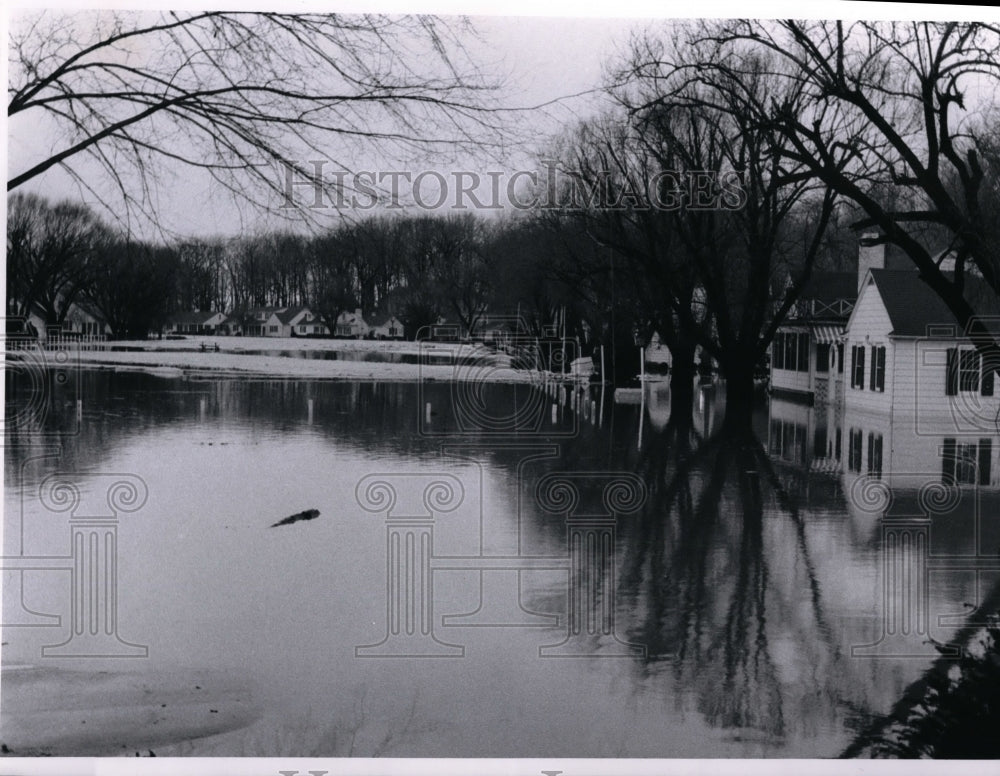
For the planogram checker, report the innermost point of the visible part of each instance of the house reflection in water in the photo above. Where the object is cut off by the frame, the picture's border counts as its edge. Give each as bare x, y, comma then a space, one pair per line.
925, 496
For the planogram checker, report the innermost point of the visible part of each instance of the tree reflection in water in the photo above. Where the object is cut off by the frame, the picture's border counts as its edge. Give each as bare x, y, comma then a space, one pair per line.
710, 578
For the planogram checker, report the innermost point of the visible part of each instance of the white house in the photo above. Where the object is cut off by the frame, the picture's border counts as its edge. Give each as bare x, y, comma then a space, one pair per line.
806, 353
300, 322
352, 325
81, 320
207, 322
388, 328
907, 357
263, 322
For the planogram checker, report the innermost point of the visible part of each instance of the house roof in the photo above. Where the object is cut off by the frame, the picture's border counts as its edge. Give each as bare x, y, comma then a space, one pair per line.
830, 286
87, 308
288, 314
913, 306
192, 317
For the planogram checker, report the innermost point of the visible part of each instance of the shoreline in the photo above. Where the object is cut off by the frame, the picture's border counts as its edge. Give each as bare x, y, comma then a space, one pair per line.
273, 358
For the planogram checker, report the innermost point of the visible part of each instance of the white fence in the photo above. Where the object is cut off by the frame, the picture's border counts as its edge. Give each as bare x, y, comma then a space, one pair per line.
58, 342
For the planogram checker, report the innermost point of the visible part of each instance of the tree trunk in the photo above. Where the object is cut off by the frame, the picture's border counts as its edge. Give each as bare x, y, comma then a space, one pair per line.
682, 375
739, 393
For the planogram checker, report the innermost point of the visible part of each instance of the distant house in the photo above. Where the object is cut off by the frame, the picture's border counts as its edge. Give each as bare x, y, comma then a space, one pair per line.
906, 355
807, 355
302, 322
388, 328
285, 321
656, 352
207, 322
352, 325
262, 322
232, 325
85, 320
82, 320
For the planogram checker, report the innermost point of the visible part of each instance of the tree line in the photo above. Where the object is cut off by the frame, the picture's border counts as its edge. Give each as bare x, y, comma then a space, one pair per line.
420, 268
770, 137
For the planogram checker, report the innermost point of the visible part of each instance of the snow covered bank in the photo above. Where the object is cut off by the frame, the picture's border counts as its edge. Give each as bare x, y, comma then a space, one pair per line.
193, 361
291, 344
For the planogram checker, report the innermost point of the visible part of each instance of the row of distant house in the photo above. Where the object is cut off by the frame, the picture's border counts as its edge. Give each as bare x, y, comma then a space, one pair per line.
882, 341
84, 320
283, 322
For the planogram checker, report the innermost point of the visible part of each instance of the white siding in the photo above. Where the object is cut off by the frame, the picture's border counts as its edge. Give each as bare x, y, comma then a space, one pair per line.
923, 393
869, 326
791, 379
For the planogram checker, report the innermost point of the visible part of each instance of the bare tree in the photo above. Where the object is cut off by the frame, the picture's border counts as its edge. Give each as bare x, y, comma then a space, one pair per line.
50, 252
245, 97
901, 106
706, 208
133, 285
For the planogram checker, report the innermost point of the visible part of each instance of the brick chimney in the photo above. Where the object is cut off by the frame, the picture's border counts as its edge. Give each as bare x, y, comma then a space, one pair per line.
871, 253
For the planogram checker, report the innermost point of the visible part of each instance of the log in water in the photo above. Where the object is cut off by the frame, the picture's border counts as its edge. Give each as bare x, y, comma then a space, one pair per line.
308, 514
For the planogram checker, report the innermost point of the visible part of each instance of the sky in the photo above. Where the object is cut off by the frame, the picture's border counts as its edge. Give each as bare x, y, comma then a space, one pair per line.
542, 59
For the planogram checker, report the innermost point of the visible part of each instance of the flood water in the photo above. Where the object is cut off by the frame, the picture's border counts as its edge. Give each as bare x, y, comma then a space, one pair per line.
494, 572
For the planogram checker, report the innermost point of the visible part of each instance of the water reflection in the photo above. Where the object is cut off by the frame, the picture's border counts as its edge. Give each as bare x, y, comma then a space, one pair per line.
750, 572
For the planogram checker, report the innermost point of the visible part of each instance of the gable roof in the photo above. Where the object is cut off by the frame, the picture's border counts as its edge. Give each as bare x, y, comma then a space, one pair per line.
912, 305
288, 315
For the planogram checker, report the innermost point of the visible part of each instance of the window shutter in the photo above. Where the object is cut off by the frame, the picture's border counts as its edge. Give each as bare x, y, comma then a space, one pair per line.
948, 462
951, 384
989, 372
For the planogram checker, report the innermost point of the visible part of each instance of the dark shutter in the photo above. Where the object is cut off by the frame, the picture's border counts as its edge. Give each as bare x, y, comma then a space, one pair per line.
948, 462
951, 384
989, 370
985, 456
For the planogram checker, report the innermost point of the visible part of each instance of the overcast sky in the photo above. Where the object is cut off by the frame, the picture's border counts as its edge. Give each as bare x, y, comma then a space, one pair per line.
543, 59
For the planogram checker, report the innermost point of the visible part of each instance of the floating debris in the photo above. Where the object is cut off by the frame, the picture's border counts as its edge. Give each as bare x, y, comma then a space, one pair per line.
308, 514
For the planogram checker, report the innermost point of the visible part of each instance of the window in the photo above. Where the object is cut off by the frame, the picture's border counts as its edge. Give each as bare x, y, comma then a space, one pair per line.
822, 357
858, 367
878, 369
788, 441
840, 358
968, 371
966, 463
854, 450
790, 350
272, 329
875, 455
